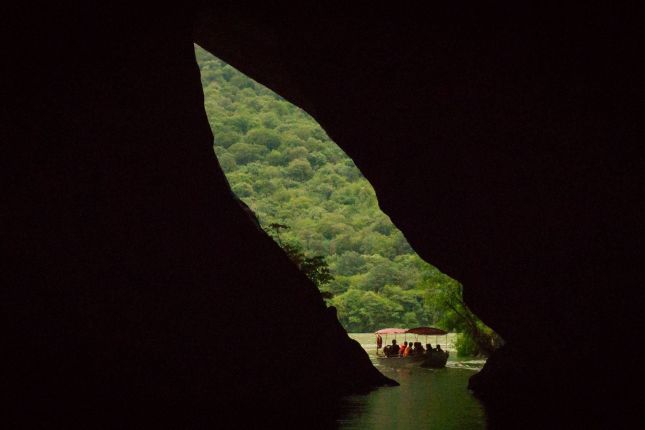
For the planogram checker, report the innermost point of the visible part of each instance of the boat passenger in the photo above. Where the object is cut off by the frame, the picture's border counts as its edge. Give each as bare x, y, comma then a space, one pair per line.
394, 349
439, 348
403, 348
413, 348
429, 349
407, 350
418, 348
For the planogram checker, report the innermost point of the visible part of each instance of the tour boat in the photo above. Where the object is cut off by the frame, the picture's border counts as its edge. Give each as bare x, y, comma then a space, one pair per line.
430, 358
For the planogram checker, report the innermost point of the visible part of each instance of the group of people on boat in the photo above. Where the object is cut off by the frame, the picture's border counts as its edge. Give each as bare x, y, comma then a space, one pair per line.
409, 349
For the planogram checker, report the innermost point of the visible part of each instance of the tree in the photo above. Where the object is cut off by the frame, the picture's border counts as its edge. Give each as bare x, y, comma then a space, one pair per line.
297, 152
264, 187
227, 162
269, 120
245, 153
350, 263
314, 267
300, 170
276, 158
366, 310
316, 159
226, 138
241, 123
477, 338
264, 137
241, 81
242, 189
274, 229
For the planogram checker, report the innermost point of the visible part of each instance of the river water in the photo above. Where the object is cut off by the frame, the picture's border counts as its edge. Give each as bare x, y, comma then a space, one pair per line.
426, 398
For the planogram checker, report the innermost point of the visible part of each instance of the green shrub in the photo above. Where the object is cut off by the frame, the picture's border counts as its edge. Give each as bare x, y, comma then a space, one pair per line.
300, 170
245, 153
466, 345
226, 138
227, 162
264, 137
243, 189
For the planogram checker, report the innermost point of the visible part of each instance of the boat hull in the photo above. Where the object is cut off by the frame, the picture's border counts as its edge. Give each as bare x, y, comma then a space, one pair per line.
413, 360
435, 360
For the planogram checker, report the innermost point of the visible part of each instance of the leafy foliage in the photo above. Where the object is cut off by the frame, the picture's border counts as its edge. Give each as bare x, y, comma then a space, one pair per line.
314, 267
465, 345
316, 203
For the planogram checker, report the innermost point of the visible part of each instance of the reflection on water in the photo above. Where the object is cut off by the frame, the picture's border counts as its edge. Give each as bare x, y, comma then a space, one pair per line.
426, 398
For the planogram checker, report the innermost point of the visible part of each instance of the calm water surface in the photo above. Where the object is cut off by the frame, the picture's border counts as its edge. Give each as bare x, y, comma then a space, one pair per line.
426, 398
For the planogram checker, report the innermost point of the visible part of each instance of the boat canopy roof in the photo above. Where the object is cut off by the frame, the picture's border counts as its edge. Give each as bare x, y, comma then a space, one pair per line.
392, 331
428, 331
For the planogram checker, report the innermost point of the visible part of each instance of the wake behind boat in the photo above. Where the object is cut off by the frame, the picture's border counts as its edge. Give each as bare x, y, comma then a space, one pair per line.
410, 353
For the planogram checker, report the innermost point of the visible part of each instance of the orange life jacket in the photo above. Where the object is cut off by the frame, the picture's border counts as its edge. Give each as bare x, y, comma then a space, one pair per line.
407, 351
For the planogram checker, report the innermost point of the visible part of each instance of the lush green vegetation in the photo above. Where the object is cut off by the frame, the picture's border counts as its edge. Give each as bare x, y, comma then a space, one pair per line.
311, 197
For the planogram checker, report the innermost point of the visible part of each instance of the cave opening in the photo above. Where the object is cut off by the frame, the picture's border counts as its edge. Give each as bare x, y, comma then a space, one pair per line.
309, 196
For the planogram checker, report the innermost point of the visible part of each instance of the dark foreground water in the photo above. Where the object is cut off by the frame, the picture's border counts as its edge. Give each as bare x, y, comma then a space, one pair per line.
426, 398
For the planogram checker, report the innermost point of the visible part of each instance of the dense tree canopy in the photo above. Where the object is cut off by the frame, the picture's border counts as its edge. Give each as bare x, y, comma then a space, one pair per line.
287, 170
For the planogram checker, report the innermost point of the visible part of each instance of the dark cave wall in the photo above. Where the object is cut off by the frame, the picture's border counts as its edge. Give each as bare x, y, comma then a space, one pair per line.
135, 288
502, 142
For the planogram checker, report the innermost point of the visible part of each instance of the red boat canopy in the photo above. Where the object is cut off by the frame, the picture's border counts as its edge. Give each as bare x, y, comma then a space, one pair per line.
391, 331
428, 331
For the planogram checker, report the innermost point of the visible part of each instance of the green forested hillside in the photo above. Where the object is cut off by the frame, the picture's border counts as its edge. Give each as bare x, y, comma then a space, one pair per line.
283, 165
